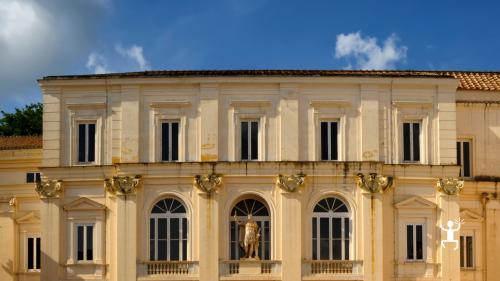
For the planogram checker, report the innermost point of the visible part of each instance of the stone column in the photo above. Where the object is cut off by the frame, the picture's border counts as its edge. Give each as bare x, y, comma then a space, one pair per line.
50, 220
449, 210
373, 187
209, 121
291, 218
369, 123
208, 214
289, 123
124, 188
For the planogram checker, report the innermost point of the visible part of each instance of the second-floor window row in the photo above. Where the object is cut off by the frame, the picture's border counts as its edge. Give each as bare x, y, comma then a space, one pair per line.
170, 141
86, 142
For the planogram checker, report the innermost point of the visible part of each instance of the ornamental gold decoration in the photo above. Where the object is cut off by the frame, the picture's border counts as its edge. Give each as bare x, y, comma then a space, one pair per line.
291, 183
49, 188
122, 185
208, 183
450, 186
374, 183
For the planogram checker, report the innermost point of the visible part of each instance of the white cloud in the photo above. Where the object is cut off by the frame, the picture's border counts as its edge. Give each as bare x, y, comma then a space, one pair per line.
134, 53
97, 63
43, 37
366, 53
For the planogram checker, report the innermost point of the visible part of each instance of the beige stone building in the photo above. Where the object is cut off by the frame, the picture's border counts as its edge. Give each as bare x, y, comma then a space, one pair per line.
348, 175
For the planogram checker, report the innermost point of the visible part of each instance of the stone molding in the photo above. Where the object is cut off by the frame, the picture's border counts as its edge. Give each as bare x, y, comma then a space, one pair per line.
208, 183
450, 186
290, 183
49, 188
122, 185
374, 183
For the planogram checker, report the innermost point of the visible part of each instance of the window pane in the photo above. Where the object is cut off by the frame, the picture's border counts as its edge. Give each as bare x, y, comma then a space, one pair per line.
244, 140
255, 140
37, 178
468, 240
184, 228
333, 136
81, 143
151, 229
90, 243
162, 250
337, 249
462, 248
416, 142
466, 160
30, 253
174, 250
162, 228
346, 228
38, 253
314, 248
175, 141
314, 231
164, 141
152, 250
184, 250
324, 249
324, 228
419, 242
406, 142
336, 228
174, 228
91, 142
346, 249
409, 242
324, 140
30, 177
79, 238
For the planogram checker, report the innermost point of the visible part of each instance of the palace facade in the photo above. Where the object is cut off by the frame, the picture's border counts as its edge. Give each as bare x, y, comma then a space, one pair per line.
349, 175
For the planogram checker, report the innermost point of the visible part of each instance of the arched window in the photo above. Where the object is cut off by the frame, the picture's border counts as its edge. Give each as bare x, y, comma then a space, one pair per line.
261, 216
168, 231
331, 230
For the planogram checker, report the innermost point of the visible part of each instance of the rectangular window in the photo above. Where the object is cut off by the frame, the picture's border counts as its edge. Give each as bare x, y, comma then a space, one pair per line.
464, 158
86, 142
249, 140
466, 252
329, 141
85, 242
33, 255
169, 141
411, 141
32, 177
414, 242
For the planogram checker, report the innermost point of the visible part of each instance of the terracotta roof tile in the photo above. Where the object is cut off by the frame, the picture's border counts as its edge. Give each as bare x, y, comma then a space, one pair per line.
469, 80
20, 142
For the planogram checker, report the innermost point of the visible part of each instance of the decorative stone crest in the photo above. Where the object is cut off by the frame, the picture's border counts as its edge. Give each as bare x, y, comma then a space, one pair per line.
291, 183
122, 185
450, 186
374, 183
49, 188
208, 183
13, 202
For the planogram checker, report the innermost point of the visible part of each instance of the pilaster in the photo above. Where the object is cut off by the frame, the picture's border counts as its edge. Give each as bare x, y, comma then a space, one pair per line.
209, 235
209, 121
291, 236
7, 232
369, 123
289, 122
130, 130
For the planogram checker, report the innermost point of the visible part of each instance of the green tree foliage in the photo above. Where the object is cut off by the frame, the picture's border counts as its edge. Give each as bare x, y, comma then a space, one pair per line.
26, 121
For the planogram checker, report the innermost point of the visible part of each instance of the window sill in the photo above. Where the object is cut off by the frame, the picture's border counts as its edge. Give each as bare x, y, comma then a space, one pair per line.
84, 263
30, 272
467, 269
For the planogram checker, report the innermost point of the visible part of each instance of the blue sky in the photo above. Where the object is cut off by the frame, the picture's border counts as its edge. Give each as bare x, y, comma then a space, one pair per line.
54, 37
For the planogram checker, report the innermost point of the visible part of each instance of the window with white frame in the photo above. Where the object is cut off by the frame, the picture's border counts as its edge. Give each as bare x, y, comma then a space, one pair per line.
249, 140
329, 136
86, 142
331, 230
33, 253
414, 242
411, 141
168, 231
85, 242
466, 251
464, 159
170, 141
32, 177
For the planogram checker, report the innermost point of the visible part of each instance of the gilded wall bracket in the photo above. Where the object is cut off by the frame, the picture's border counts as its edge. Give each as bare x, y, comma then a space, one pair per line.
291, 183
208, 183
374, 183
49, 188
450, 186
122, 185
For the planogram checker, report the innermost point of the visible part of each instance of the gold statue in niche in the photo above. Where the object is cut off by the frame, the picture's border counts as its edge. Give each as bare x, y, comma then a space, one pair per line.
249, 235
